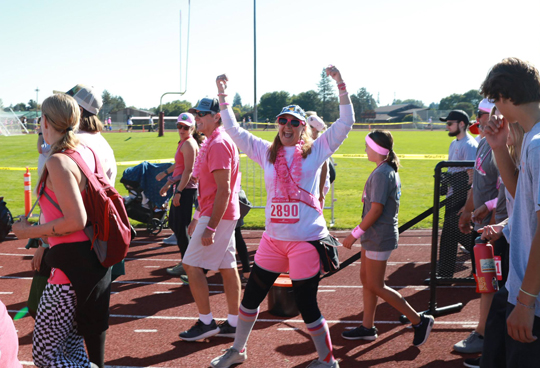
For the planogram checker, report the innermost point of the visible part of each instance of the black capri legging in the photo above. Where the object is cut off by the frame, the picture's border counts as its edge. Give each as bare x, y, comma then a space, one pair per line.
305, 292
180, 217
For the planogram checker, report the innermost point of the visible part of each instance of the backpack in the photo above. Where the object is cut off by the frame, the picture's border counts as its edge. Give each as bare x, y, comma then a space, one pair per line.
108, 225
6, 220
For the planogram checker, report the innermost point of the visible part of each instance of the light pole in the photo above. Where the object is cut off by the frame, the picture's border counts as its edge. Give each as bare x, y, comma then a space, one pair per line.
255, 62
37, 98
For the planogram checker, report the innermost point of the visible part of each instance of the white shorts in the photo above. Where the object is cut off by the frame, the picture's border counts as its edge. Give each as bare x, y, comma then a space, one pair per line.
378, 256
221, 254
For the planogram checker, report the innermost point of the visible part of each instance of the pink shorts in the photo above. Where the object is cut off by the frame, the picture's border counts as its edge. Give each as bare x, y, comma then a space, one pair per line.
301, 259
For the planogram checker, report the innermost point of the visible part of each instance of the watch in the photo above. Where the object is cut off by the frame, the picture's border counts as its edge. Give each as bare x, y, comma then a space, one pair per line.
179, 192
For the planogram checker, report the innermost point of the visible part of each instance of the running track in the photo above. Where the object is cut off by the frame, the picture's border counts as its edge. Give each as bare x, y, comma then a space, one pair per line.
149, 309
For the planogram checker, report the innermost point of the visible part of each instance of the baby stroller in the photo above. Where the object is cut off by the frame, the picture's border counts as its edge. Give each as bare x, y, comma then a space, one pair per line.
144, 203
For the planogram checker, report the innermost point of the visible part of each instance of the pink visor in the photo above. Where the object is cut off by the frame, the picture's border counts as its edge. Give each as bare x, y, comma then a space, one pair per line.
375, 147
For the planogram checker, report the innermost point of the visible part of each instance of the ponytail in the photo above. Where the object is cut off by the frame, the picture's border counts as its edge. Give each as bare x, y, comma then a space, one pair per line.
384, 139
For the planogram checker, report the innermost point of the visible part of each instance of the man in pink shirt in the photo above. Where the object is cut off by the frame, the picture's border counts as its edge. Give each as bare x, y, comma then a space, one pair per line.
212, 244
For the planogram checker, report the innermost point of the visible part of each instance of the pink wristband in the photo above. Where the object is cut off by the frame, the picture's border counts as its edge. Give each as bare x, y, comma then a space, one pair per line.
357, 232
224, 104
197, 215
212, 230
491, 204
343, 94
222, 94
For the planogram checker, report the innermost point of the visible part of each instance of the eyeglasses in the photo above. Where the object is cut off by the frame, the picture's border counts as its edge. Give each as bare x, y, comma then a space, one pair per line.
294, 122
202, 114
182, 126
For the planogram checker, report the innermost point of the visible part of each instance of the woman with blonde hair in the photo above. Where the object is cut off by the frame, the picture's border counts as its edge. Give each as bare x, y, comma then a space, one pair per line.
294, 219
76, 299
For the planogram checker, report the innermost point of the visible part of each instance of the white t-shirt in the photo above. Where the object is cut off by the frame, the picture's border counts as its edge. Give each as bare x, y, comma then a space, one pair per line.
523, 220
311, 225
104, 152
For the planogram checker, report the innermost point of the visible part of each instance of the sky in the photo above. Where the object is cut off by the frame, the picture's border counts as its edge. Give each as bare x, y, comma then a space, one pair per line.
138, 49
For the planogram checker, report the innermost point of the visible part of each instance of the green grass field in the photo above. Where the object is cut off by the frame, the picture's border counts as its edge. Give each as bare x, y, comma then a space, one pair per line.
352, 173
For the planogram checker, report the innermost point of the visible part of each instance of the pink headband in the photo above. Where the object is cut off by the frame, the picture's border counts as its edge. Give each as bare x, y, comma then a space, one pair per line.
375, 147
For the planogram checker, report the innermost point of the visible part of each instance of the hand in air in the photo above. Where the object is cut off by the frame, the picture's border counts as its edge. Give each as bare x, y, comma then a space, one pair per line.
333, 72
221, 82
496, 131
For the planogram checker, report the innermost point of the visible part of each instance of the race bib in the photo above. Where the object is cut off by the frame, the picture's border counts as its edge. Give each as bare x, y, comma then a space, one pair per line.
284, 211
498, 267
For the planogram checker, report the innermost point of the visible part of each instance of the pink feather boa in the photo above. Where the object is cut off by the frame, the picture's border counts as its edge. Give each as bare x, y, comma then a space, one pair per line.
284, 186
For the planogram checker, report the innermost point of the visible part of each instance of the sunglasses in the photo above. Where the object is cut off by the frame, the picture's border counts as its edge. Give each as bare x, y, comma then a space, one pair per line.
182, 126
202, 114
294, 122
450, 122
480, 113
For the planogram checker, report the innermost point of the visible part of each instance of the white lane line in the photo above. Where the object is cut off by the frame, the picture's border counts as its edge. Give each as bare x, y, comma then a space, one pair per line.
152, 259
114, 292
6, 292
143, 331
106, 366
178, 318
16, 255
326, 291
134, 282
152, 266
162, 292
22, 248
287, 329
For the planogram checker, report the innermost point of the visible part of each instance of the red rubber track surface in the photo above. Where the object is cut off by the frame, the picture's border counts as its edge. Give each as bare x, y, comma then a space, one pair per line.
149, 309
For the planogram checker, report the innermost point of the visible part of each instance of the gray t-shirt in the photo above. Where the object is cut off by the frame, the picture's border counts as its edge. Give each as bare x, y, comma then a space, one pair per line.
485, 178
501, 213
463, 149
523, 220
383, 186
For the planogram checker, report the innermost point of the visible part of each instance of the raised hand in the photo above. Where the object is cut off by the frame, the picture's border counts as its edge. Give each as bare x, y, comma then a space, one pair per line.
221, 82
496, 131
333, 72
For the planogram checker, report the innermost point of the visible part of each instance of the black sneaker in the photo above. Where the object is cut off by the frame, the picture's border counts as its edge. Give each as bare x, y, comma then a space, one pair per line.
226, 330
200, 331
472, 362
361, 333
421, 333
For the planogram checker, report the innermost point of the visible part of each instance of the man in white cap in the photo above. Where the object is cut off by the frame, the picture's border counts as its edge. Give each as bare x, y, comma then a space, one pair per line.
484, 189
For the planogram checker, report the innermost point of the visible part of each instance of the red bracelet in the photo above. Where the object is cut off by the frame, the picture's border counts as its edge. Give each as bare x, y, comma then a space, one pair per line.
222, 94
224, 104
212, 230
342, 86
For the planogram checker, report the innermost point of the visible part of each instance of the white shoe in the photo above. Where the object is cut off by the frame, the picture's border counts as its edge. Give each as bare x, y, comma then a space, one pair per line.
171, 240
317, 363
231, 356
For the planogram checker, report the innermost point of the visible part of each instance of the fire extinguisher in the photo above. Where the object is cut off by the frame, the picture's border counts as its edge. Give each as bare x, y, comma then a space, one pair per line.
486, 272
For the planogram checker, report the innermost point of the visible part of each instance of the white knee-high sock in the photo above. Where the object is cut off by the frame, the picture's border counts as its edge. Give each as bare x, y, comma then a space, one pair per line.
246, 321
321, 338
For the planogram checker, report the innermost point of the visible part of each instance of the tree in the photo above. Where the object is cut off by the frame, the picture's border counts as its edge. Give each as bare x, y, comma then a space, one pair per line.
326, 92
21, 106
309, 101
434, 106
271, 104
472, 97
111, 103
32, 105
465, 106
409, 101
237, 101
362, 101
175, 108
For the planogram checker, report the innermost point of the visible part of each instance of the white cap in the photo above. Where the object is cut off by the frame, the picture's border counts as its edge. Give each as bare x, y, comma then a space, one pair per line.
316, 123
186, 118
485, 105
86, 97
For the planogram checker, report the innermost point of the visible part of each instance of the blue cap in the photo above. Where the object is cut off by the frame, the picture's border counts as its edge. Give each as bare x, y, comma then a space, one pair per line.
293, 110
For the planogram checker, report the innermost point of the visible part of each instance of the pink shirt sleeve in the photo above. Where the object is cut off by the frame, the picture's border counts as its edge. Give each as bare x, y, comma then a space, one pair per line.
219, 157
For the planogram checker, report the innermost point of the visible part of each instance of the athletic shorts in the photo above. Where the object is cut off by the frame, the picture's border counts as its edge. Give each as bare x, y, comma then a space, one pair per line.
300, 259
378, 256
221, 254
